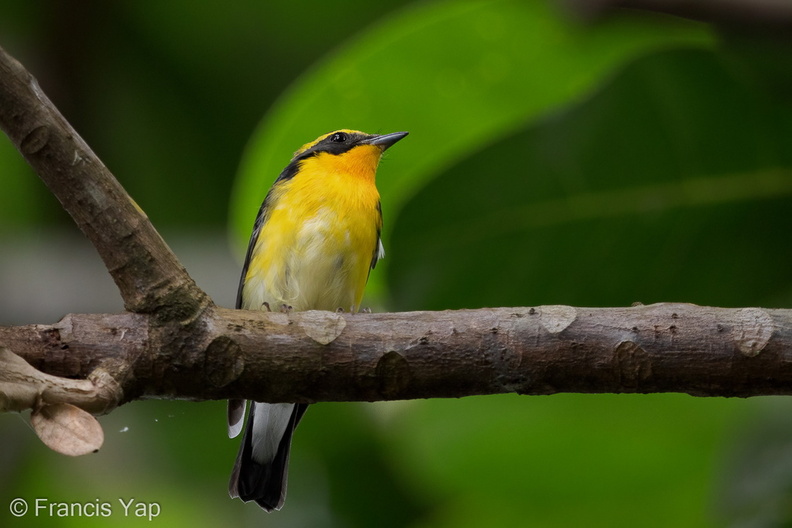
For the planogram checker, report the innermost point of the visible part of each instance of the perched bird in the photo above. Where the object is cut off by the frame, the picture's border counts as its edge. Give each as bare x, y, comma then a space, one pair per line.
314, 242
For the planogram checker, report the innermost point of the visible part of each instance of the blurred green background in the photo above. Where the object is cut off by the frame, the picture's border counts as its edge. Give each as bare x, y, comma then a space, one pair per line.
551, 160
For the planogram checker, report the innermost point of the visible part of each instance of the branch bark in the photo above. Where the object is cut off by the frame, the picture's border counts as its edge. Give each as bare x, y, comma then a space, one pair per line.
325, 356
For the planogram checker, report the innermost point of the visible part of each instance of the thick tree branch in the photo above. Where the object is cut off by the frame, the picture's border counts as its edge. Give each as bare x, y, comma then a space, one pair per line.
147, 273
324, 356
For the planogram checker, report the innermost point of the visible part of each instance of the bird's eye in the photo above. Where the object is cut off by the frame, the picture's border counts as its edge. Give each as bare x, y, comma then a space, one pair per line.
338, 137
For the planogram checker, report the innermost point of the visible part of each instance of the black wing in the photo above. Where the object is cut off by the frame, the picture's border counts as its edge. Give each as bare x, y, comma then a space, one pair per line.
288, 173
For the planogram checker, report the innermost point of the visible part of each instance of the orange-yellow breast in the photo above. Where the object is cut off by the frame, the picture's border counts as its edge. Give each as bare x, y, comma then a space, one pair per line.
315, 248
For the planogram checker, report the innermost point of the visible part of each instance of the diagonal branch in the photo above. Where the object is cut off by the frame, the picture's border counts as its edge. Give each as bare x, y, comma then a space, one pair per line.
147, 273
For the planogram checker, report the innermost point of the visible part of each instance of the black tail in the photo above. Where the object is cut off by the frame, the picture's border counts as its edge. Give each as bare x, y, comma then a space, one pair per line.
263, 483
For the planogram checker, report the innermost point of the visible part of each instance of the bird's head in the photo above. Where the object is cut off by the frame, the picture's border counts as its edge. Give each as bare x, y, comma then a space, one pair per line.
348, 151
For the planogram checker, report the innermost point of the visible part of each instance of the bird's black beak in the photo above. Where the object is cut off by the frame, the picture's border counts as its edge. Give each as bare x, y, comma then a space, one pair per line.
385, 141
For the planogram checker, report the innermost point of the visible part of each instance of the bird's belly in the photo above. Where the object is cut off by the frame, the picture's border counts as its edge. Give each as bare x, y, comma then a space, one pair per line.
322, 265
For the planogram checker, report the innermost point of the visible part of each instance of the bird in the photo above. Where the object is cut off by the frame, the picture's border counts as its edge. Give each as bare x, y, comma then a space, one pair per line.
315, 240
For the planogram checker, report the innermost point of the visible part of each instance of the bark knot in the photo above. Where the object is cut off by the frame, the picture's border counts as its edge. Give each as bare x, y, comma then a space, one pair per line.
35, 140
555, 319
632, 364
224, 361
754, 329
393, 372
322, 327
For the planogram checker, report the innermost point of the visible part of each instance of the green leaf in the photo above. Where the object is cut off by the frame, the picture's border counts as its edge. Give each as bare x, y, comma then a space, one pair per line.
458, 76
671, 184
